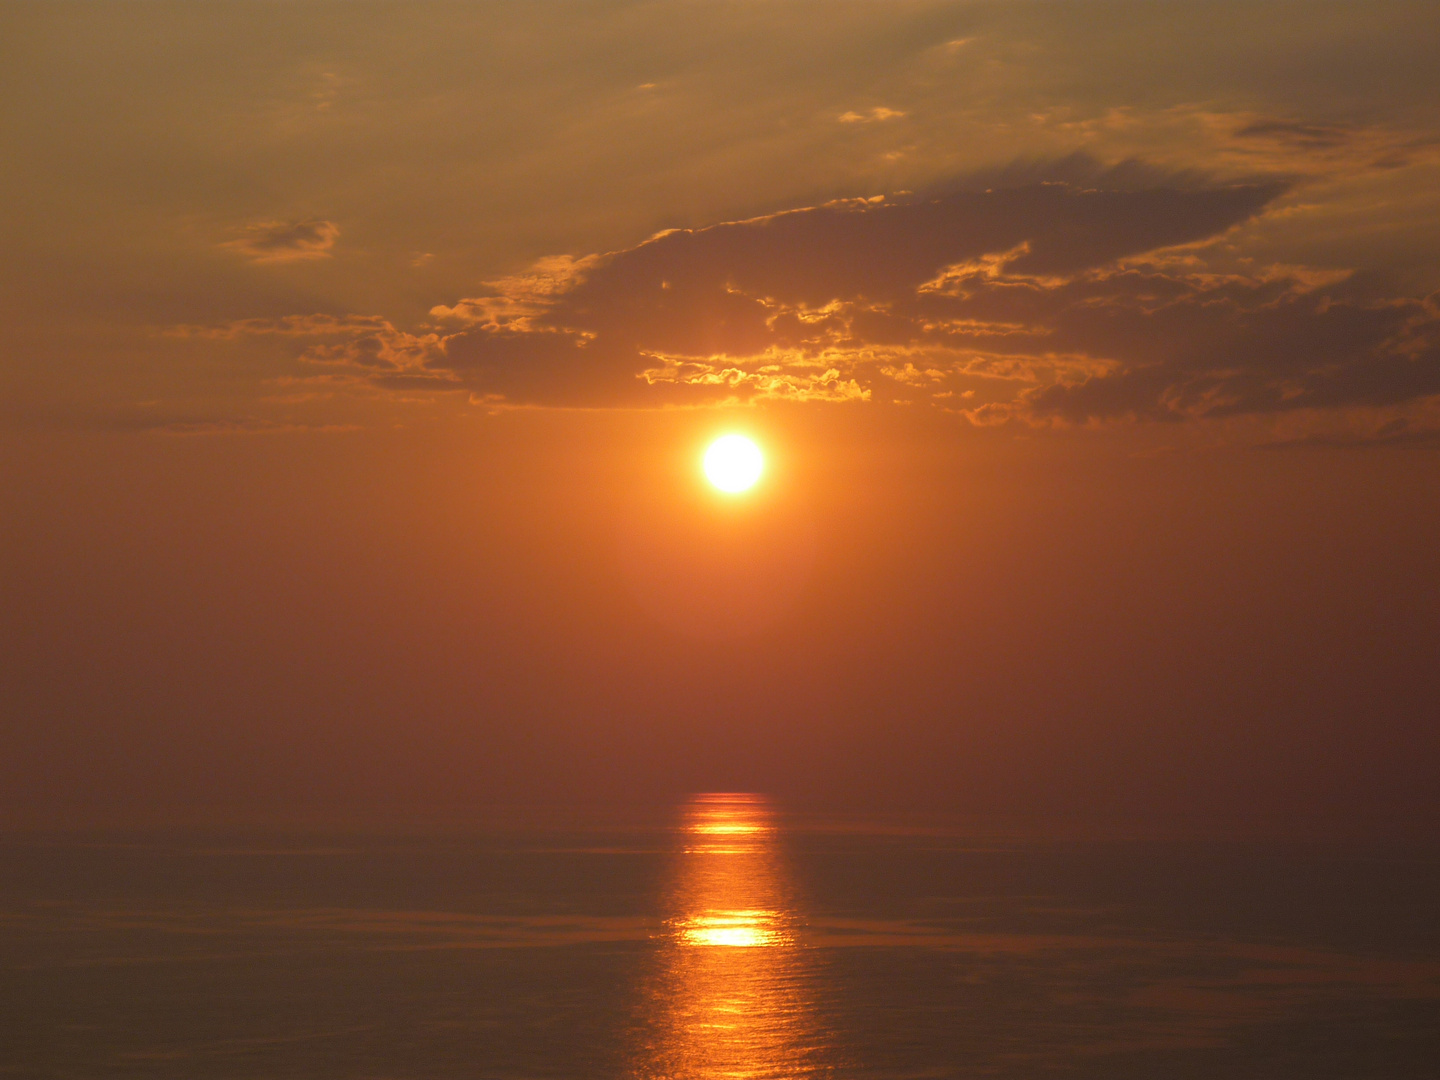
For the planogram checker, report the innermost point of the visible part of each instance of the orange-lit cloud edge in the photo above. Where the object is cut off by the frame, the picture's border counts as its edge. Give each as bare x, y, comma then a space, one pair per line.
1068, 294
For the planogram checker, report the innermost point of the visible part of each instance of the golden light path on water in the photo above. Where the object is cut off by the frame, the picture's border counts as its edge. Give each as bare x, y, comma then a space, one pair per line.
730, 998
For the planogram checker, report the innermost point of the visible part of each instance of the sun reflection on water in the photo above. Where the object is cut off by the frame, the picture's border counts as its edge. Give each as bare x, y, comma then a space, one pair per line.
732, 995
746, 929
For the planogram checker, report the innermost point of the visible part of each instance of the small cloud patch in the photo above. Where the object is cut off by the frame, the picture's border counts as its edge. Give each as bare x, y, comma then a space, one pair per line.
285, 241
871, 116
1295, 133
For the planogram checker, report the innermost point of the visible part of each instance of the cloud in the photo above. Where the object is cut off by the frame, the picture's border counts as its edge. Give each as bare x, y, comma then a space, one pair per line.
870, 116
820, 303
1060, 294
366, 342
1203, 345
285, 241
1307, 136
1301, 147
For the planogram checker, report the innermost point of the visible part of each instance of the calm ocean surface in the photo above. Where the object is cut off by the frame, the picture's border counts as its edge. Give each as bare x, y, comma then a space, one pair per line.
724, 941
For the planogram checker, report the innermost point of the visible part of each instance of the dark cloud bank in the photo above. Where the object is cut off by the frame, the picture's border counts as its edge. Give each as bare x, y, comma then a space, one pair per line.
1074, 300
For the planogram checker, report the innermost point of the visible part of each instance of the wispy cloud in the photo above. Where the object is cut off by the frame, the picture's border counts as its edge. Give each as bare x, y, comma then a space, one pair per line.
285, 241
871, 116
367, 342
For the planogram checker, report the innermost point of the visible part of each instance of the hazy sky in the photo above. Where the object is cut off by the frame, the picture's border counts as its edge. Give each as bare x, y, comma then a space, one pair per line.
357, 360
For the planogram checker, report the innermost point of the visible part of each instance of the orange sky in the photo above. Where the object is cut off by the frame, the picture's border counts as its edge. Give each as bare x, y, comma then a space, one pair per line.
357, 370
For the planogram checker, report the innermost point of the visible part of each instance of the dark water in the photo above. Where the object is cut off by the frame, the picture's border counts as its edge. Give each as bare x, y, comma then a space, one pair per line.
728, 941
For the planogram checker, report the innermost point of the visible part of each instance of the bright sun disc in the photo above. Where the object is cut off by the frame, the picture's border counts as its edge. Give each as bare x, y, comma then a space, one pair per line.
733, 463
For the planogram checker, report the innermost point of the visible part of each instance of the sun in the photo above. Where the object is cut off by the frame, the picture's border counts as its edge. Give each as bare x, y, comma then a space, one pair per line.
733, 463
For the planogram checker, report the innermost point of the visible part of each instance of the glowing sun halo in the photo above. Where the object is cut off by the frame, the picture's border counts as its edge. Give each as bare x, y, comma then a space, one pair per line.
733, 463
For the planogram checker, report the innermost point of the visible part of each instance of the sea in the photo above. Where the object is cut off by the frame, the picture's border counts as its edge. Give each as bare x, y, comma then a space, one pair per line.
724, 937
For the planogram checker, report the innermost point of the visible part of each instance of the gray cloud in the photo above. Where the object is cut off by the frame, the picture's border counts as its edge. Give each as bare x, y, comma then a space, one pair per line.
1059, 293
817, 303
1303, 135
285, 241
